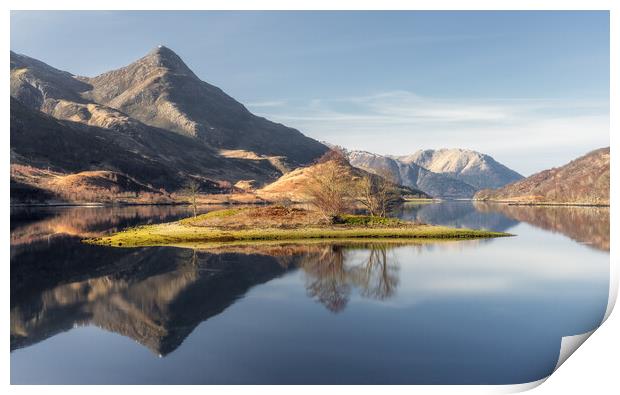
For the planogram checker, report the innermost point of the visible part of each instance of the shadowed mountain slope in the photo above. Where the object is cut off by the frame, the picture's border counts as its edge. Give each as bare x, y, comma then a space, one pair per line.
149, 155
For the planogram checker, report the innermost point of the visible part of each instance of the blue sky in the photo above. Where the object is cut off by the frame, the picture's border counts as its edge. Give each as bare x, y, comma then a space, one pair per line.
529, 88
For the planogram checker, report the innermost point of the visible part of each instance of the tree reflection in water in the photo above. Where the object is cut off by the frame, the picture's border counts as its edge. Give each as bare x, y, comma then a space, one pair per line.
377, 278
326, 278
332, 275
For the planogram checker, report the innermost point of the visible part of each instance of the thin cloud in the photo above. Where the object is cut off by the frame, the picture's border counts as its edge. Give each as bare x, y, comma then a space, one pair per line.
528, 135
268, 103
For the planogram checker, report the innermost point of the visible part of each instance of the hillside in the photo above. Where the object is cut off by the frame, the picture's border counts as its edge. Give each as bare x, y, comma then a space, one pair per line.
153, 157
154, 121
584, 180
29, 184
412, 175
474, 168
291, 186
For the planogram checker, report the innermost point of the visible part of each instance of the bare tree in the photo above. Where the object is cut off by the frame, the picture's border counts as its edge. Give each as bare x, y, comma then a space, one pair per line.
378, 193
192, 189
329, 186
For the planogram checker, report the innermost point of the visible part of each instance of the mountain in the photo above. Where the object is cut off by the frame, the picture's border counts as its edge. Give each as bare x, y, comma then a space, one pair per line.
412, 175
160, 90
474, 168
44, 148
584, 180
154, 121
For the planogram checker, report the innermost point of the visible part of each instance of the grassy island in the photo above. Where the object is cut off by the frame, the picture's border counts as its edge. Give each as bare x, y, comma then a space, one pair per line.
275, 223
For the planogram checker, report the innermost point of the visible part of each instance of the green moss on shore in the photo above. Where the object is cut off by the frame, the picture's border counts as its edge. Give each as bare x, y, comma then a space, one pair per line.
366, 220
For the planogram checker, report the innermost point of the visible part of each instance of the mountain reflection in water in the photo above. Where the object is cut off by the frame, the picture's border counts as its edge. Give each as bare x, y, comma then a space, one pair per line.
165, 293
585, 224
588, 225
477, 311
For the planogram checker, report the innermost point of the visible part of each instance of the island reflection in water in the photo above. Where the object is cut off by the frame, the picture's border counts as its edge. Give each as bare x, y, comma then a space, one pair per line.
489, 311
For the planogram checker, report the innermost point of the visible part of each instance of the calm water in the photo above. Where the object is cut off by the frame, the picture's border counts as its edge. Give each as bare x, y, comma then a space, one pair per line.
464, 312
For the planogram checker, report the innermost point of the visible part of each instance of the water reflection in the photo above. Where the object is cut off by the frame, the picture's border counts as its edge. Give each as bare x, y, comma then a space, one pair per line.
588, 225
461, 214
331, 274
160, 297
157, 300
34, 224
46, 248
480, 311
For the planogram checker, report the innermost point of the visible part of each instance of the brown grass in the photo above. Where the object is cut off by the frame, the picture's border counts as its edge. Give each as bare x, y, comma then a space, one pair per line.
257, 217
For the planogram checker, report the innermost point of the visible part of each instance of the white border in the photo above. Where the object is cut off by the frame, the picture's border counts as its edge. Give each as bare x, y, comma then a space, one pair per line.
596, 367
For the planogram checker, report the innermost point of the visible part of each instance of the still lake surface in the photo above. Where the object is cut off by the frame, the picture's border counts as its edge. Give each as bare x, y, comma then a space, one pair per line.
457, 312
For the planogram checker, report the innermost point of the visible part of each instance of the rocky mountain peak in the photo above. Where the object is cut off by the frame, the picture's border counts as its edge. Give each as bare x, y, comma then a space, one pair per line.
164, 57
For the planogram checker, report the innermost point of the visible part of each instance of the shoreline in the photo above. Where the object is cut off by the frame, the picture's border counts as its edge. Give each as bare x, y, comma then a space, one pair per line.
419, 201
168, 234
119, 204
358, 242
534, 204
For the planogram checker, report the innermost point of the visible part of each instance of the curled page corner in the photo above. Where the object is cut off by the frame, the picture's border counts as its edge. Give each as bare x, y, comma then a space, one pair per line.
569, 345
613, 290
516, 388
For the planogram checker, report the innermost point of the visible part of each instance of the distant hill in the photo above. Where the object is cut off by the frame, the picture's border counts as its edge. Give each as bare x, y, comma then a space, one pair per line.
154, 121
474, 168
291, 185
585, 180
412, 175
445, 173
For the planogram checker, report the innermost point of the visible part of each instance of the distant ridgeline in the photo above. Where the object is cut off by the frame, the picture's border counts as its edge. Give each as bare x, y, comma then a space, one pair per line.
447, 173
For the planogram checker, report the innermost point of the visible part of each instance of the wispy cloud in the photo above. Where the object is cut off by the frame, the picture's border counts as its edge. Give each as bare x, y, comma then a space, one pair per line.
267, 103
529, 134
